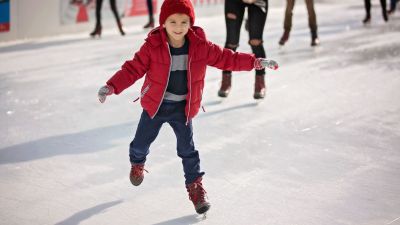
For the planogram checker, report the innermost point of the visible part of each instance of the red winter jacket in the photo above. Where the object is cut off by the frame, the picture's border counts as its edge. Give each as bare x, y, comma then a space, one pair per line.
154, 60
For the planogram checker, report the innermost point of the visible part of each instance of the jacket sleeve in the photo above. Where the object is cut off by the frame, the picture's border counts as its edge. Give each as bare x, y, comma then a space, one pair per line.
131, 70
226, 59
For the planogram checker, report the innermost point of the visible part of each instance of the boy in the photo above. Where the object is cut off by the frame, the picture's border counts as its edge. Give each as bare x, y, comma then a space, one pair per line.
174, 58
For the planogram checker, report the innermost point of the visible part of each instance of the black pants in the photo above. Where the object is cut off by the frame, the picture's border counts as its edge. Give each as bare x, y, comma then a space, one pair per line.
150, 9
393, 4
256, 21
113, 6
368, 6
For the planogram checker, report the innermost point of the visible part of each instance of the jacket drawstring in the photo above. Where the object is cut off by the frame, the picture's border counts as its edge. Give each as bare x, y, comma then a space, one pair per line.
145, 90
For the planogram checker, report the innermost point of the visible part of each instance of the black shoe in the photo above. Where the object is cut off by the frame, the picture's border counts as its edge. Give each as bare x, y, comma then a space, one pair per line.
96, 32
284, 38
121, 31
314, 39
150, 24
367, 20
385, 16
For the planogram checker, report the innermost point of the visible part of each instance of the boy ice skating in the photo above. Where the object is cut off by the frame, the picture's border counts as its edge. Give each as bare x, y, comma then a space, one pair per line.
174, 58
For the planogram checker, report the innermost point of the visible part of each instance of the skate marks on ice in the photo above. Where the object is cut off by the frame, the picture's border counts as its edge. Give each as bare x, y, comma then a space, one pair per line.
190, 219
213, 103
392, 222
292, 54
221, 105
210, 112
85, 214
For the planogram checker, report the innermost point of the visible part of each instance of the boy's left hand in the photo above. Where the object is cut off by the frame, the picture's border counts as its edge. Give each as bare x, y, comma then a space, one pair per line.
262, 63
104, 92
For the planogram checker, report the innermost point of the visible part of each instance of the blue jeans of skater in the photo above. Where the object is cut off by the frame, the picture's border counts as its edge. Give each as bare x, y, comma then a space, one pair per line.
148, 129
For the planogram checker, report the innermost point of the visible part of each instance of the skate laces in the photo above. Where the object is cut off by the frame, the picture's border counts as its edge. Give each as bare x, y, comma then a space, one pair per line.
137, 170
196, 192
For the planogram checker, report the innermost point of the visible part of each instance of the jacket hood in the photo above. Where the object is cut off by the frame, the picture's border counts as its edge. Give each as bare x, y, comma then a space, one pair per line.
158, 35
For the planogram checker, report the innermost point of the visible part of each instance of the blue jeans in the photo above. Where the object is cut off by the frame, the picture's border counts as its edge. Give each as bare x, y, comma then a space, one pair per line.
148, 129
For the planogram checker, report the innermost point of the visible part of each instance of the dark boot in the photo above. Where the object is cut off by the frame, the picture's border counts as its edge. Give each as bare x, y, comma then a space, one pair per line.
150, 24
197, 195
96, 31
284, 38
225, 85
120, 28
259, 87
385, 15
314, 38
136, 175
367, 19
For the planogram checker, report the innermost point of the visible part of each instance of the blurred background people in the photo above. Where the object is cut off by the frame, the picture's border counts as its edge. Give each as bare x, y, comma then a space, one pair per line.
97, 29
312, 22
367, 4
257, 15
150, 24
392, 8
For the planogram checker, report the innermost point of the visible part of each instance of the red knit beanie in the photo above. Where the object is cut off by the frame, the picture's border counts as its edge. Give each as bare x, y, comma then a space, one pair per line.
170, 7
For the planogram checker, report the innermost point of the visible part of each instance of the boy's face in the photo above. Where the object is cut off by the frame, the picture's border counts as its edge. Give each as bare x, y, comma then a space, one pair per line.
177, 26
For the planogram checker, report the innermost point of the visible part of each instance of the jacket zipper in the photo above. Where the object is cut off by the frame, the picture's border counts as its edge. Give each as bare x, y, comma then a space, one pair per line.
190, 91
165, 89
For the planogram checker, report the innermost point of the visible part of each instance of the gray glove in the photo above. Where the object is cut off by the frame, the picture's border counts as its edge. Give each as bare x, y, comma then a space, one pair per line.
104, 91
261, 63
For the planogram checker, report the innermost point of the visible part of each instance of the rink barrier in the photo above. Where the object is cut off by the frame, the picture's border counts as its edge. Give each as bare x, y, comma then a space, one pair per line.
26, 20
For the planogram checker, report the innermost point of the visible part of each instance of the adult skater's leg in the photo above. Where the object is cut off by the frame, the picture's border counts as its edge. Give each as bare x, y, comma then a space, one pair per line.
287, 24
367, 5
114, 9
312, 22
234, 12
97, 28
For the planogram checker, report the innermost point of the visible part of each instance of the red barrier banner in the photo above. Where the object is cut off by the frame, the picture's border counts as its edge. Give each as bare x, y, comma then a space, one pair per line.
80, 11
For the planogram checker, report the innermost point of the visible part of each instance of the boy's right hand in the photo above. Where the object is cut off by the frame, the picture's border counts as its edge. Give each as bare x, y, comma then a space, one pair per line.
104, 91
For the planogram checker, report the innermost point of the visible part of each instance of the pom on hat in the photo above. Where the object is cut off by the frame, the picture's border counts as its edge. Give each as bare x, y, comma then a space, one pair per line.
170, 7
